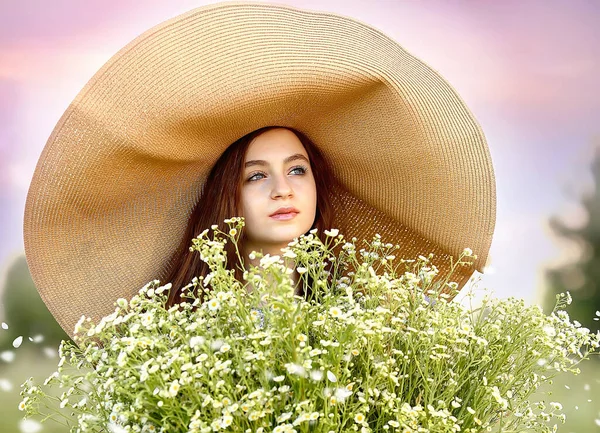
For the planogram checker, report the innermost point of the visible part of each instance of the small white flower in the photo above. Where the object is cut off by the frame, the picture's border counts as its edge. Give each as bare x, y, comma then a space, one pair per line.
290, 254
51, 378
335, 312
197, 340
284, 417
316, 375
5, 326
342, 394
453, 285
207, 279
116, 428
164, 288
216, 345
331, 377
550, 330
359, 418
296, 369
147, 319
556, 405
226, 421
468, 252
187, 366
331, 233
23, 404
174, 388
267, 261
214, 304
499, 398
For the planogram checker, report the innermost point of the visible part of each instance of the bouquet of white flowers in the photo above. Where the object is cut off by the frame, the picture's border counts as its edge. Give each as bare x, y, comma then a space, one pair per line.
376, 347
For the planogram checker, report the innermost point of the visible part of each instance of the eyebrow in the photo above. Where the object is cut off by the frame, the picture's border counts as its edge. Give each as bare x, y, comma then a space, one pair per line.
285, 161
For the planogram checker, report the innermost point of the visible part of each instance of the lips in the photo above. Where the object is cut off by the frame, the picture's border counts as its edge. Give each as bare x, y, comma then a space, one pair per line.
285, 211
284, 216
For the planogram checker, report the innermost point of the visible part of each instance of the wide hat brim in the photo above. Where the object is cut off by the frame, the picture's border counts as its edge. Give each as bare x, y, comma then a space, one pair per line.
119, 175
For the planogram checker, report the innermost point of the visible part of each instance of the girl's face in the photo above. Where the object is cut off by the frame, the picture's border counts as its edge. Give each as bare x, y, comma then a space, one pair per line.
276, 175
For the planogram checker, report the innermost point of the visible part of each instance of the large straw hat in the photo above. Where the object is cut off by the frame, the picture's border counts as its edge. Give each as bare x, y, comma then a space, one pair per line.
126, 163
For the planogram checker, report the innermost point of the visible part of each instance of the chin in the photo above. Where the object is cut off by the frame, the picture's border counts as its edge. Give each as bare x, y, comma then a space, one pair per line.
287, 234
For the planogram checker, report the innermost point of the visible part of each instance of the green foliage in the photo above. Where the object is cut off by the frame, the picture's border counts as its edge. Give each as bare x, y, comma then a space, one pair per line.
24, 311
28, 363
371, 350
581, 278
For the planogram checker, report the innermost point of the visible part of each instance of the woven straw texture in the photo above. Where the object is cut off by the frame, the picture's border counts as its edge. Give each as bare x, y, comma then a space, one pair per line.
120, 173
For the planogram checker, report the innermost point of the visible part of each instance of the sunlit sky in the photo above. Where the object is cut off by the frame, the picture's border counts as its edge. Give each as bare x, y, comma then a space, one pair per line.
527, 69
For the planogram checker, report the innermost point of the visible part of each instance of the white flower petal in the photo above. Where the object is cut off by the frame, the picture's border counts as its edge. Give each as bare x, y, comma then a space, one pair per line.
17, 342
7, 356
29, 426
5, 385
50, 352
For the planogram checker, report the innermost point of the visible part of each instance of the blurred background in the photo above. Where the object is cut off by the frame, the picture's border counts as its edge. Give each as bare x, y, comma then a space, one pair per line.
528, 70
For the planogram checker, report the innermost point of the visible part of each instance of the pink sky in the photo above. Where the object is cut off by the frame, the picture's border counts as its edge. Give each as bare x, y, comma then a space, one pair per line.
527, 69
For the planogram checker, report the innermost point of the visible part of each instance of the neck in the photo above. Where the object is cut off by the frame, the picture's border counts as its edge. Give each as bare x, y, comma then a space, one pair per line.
274, 250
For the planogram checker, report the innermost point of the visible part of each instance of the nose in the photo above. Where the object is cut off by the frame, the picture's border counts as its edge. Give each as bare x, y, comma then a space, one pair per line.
281, 187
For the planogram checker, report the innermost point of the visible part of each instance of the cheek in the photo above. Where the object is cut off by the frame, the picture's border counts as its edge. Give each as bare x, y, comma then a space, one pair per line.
249, 204
313, 193
243, 207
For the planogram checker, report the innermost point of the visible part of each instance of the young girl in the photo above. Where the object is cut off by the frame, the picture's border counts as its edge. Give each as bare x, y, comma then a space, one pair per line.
142, 161
274, 177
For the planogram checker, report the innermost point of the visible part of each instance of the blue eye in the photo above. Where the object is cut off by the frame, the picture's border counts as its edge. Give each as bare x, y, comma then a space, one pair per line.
299, 167
251, 178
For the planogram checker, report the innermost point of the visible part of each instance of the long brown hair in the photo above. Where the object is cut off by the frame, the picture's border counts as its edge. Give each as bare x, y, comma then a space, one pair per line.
220, 200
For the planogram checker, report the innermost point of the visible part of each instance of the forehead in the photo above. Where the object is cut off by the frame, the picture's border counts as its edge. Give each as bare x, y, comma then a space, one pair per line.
275, 144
